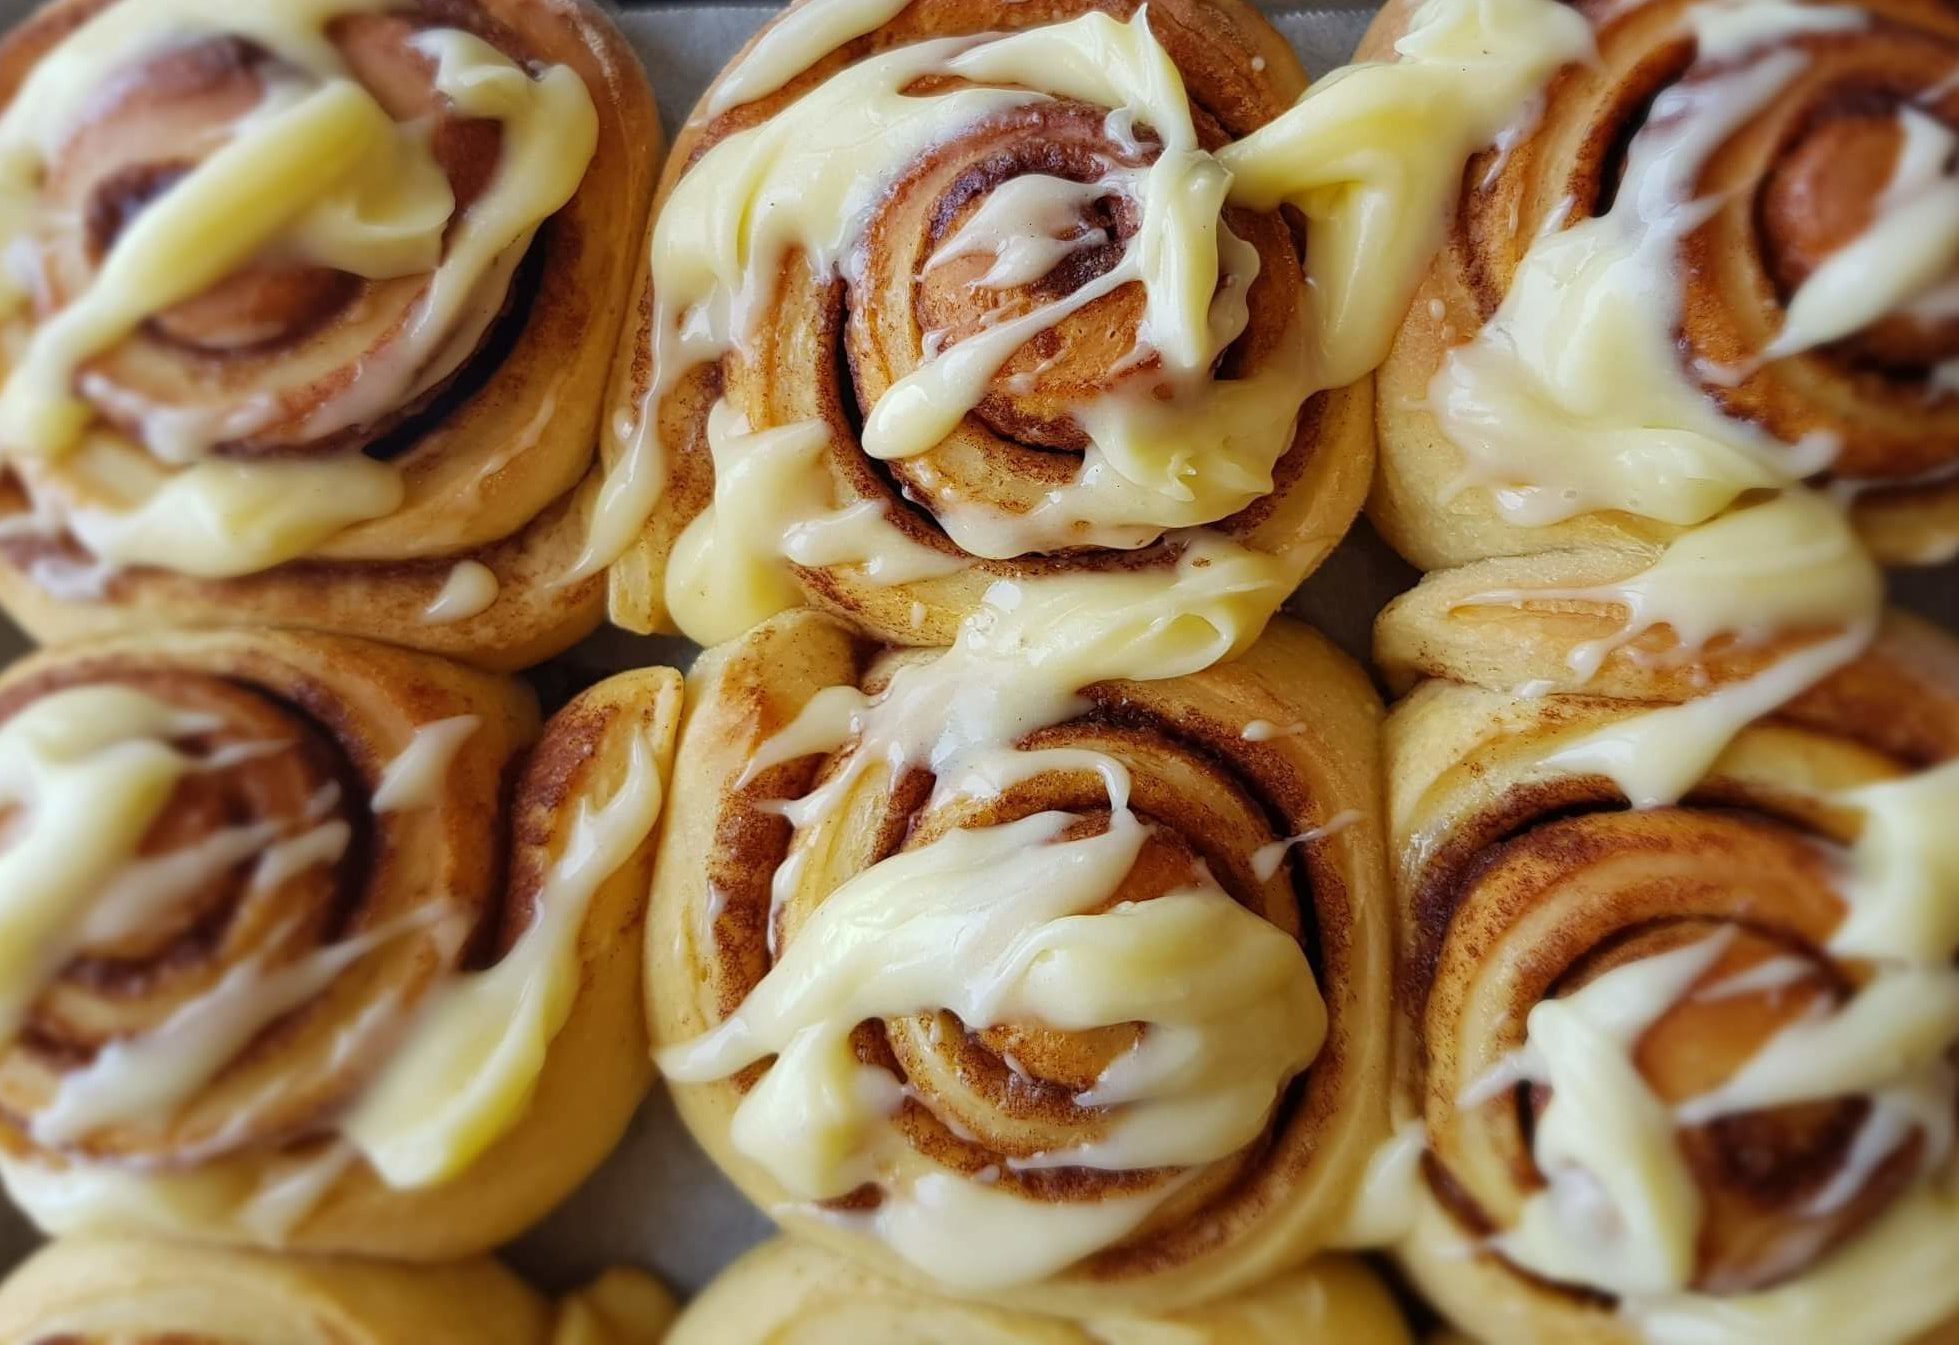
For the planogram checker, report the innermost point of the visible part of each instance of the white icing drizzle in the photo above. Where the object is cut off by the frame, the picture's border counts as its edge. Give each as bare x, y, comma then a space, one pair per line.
1026, 911
807, 33
1904, 870
468, 1068
1028, 225
1564, 406
1384, 1208
1348, 155
976, 1236
155, 1072
1621, 1212
285, 1197
145, 891
1264, 731
322, 843
550, 132
215, 519
1267, 858
1464, 72
470, 590
1901, 1024
98, 762
1656, 757
416, 777
1621, 1209
318, 171
1901, 1275
1726, 30
771, 506
1000, 926
1020, 661
1572, 400
265, 1203
711, 267
1909, 248
90, 768
1373, 158
1765, 977
1790, 564
68, 580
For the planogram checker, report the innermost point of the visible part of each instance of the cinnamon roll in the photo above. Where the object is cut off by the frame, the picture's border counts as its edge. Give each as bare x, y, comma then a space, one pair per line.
1048, 969
110, 1290
314, 943
99, 1291
789, 1291
956, 292
1721, 256
1676, 1058
307, 313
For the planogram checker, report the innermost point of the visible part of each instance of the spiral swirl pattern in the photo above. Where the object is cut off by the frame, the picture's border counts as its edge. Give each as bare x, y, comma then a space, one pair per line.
1026, 1117
302, 314
1778, 187
997, 296
1750, 920
226, 936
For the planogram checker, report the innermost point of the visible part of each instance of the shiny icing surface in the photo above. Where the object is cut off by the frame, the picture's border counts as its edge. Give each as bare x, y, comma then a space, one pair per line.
470, 590
929, 929
1170, 446
1572, 399
314, 173
93, 767
1581, 350
100, 774
1013, 924
466, 1072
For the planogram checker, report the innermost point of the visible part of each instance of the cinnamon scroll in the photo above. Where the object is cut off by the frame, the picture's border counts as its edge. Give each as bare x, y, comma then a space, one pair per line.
1724, 256
1680, 1072
313, 943
100, 1291
914, 917
308, 308
793, 1286
951, 293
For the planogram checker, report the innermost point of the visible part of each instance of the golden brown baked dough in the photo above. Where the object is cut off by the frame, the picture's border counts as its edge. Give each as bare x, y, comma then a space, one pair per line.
994, 221
1805, 306
1680, 1072
1236, 805
315, 943
119, 1291
392, 392
114, 1291
792, 1293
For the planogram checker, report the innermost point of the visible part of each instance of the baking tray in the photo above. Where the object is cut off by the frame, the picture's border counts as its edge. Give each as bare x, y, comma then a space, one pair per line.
658, 1202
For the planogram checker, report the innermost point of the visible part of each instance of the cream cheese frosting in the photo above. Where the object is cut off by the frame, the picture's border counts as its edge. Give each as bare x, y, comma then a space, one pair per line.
1360, 155
317, 171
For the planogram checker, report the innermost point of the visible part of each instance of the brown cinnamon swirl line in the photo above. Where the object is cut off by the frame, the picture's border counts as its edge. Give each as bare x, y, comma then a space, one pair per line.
1806, 307
985, 502
281, 991
1252, 779
395, 413
1697, 944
